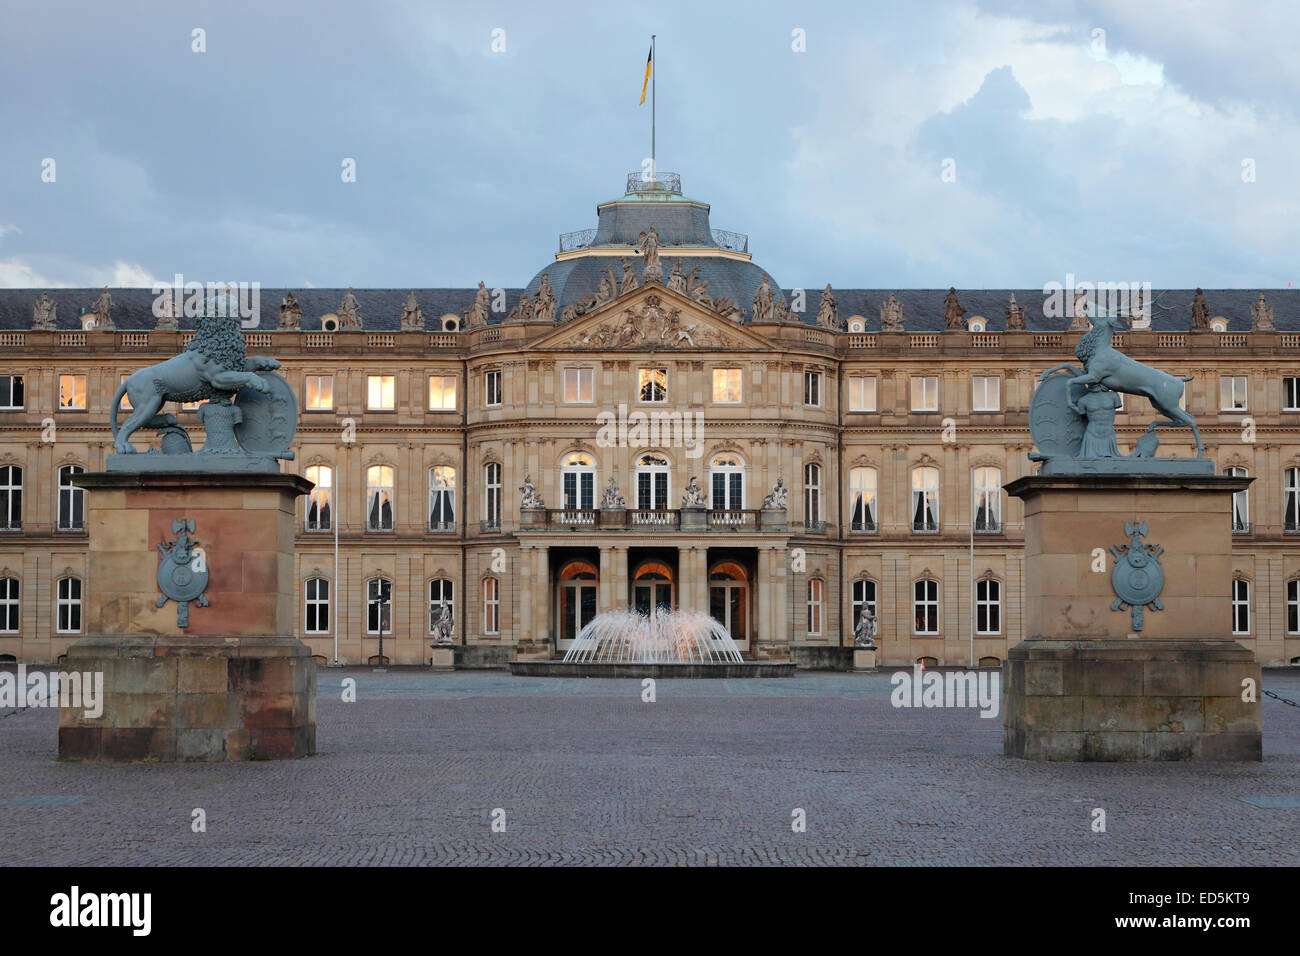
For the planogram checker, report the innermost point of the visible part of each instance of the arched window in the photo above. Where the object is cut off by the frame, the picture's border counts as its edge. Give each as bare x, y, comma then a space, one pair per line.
862, 500
816, 595
1240, 502
812, 496
316, 606
652, 587
68, 607
379, 498
379, 606
11, 498
988, 500
652, 483
988, 606
576, 598
442, 498
925, 602
442, 594
1291, 519
491, 606
1240, 606
729, 599
492, 496
925, 499
9, 605
578, 482
72, 500
864, 596
1292, 606
320, 503
726, 483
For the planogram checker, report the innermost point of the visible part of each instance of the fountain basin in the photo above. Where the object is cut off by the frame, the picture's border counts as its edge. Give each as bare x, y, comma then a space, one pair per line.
658, 671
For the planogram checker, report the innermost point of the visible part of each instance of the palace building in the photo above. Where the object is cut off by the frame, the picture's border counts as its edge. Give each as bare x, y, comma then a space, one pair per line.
654, 419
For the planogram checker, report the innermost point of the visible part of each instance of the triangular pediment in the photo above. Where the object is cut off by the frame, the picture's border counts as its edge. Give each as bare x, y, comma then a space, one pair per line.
650, 318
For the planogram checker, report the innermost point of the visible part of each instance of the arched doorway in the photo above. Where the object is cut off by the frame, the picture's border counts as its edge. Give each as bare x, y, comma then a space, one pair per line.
729, 600
652, 587
575, 600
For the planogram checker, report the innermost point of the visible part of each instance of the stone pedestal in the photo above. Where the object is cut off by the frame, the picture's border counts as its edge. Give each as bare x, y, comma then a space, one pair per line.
694, 519
444, 657
864, 658
232, 682
1088, 685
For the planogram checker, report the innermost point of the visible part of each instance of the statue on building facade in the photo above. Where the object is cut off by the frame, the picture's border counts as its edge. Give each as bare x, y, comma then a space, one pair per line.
1015, 316
102, 310
776, 499
953, 312
290, 313
1080, 322
648, 246
350, 313
523, 310
443, 627
828, 313
629, 278
165, 315
763, 302
529, 498
677, 281
1261, 316
412, 315
891, 315
44, 314
864, 632
611, 499
694, 495
478, 312
1200, 313
544, 302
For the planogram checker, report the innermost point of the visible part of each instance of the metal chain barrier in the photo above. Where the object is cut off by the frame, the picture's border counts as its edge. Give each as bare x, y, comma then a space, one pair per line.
1285, 700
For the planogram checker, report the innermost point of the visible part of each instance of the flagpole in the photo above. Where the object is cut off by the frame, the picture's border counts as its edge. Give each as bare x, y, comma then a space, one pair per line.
654, 71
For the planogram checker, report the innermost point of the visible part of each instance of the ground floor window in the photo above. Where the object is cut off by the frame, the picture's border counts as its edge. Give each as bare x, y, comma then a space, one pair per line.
491, 606
816, 591
8, 605
442, 594
1240, 606
69, 606
926, 604
379, 606
576, 600
864, 596
317, 609
988, 607
729, 599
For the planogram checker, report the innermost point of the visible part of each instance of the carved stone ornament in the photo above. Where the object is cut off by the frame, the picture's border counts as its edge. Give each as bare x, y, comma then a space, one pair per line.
611, 499
1137, 577
44, 314
182, 573
777, 499
653, 326
529, 498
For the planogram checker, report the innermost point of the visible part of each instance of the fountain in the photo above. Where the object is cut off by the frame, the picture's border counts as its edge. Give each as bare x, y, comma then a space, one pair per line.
662, 643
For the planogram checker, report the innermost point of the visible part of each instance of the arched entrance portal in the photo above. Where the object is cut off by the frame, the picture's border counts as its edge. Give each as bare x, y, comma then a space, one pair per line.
575, 600
729, 600
652, 587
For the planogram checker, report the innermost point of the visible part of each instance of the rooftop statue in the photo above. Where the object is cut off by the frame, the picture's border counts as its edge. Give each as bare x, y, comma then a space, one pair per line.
629, 278
828, 313
1080, 323
44, 314
412, 314
763, 302
350, 313
1200, 313
1072, 417
478, 312
290, 313
1261, 316
677, 281
251, 416
953, 311
891, 315
544, 303
1015, 316
102, 310
648, 246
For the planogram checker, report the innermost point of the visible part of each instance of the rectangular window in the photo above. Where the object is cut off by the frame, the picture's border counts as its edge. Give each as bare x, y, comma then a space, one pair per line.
988, 500
988, 607
925, 602
925, 394
492, 387
864, 598
69, 606
862, 393
320, 393
11, 392
379, 606
579, 386
1232, 393
815, 587
1291, 394
652, 384
317, 617
72, 391
987, 393
1291, 500
1292, 607
9, 605
381, 392
491, 606
726, 386
1240, 606
812, 389
442, 393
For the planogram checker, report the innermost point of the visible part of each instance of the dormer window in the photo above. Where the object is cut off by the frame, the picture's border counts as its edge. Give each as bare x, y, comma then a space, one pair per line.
329, 323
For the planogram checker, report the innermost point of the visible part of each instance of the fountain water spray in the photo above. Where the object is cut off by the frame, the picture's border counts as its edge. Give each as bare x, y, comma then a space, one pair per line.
661, 637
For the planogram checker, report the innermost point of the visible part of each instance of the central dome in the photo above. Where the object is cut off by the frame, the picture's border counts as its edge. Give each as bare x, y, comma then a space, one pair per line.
686, 242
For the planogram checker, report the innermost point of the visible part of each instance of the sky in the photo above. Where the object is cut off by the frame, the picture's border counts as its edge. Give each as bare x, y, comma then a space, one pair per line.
972, 143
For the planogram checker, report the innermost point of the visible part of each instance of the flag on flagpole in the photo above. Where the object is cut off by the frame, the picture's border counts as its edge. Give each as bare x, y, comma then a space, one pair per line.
648, 66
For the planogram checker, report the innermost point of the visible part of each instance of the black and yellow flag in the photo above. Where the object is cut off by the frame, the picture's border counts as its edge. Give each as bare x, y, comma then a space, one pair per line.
649, 65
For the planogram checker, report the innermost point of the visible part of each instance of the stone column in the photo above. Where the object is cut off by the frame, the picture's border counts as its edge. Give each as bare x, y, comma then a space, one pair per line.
605, 587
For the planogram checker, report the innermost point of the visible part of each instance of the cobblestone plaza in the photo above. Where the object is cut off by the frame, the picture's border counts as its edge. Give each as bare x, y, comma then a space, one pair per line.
712, 772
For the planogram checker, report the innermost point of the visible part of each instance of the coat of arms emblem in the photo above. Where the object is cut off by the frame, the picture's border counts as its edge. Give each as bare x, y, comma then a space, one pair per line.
1137, 577
182, 572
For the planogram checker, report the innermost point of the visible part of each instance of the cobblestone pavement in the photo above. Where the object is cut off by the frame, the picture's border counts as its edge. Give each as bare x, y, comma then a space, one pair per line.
587, 773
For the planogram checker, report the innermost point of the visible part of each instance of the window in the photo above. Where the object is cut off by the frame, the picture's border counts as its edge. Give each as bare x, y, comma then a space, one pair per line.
578, 482
320, 393
864, 596
988, 607
126, 399
726, 385
11, 498
11, 392
1240, 503
69, 606
862, 499
72, 500
579, 386
812, 496
72, 391
986, 393
1240, 606
316, 608
1290, 394
1232, 393
925, 394
442, 594
492, 499
379, 498
988, 500
320, 502
379, 606
812, 389
925, 499
442, 393
1291, 480
576, 599
925, 602
862, 393
491, 606
380, 392
652, 483
816, 589
652, 384
492, 387
1292, 607
727, 483
9, 605
442, 498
